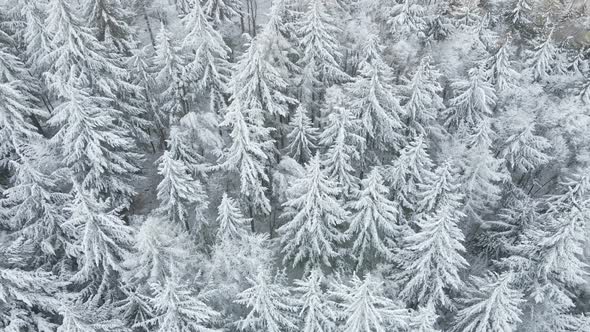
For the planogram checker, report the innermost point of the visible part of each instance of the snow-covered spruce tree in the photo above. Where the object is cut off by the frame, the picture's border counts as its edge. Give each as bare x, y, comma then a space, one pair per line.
366, 309
373, 224
83, 318
257, 86
474, 100
520, 11
372, 99
317, 31
159, 251
430, 259
406, 18
542, 59
482, 173
110, 21
27, 299
169, 77
491, 304
424, 319
439, 188
98, 152
230, 219
269, 306
422, 99
525, 151
302, 138
178, 191
311, 234
77, 59
178, 309
499, 67
314, 309
408, 170
100, 240
35, 36
221, 11
247, 155
209, 69
343, 146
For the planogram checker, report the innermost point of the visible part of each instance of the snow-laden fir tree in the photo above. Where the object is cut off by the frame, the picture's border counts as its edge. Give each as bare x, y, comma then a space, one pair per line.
317, 31
230, 219
257, 86
35, 36
366, 309
110, 21
27, 299
221, 11
430, 259
373, 101
178, 309
314, 309
268, 304
525, 151
491, 304
77, 59
439, 188
343, 146
77, 318
422, 99
158, 252
179, 191
406, 18
311, 235
482, 173
247, 155
100, 240
209, 69
170, 83
424, 319
303, 136
412, 167
373, 224
99, 153
542, 59
520, 11
474, 100
500, 71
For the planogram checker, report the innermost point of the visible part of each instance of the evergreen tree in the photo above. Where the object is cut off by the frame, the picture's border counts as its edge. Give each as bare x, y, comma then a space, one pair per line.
524, 151
320, 52
520, 11
422, 99
314, 214
178, 190
269, 309
314, 309
500, 71
365, 308
373, 222
230, 219
27, 299
406, 18
95, 148
169, 77
430, 259
492, 305
110, 20
302, 138
473, 102
542, 60
424, 319
222, 10
343, 146
100, 241
257, 86
209, 69
373, 101
247, 155
178, 309
408, 170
